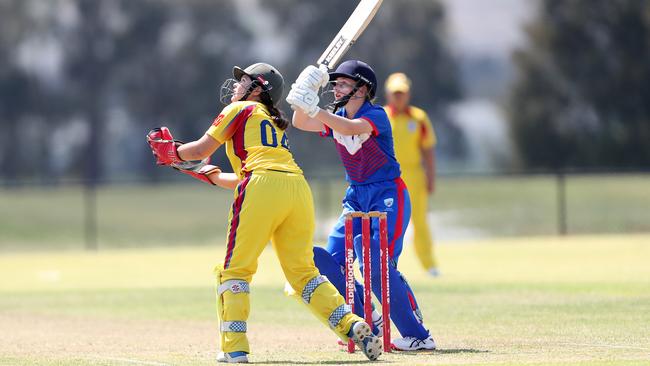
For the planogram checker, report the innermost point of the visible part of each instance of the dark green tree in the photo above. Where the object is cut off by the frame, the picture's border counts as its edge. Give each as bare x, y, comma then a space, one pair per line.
178, 56
582, 97
25, 97
155, 62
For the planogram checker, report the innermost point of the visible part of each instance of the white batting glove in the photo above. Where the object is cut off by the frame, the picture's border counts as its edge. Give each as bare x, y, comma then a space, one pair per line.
313, 77
304, 99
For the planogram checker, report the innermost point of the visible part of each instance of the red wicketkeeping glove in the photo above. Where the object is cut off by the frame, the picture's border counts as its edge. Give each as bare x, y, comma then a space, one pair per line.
163, 146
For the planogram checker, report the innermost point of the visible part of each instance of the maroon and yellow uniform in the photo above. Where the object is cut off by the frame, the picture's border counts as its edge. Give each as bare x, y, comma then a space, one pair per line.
413, 133
253, 142
272, 202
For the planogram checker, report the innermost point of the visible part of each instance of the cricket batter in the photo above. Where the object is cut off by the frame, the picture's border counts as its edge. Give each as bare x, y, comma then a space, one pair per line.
272, 202
363, 138
415, 140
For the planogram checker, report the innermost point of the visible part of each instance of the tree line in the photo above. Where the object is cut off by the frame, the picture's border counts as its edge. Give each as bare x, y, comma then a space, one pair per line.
82, 81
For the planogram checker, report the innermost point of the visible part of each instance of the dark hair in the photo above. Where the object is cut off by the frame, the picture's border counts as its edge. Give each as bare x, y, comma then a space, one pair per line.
276, 115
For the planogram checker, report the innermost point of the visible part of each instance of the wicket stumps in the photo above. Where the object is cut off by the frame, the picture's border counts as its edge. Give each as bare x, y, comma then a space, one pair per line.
366, 256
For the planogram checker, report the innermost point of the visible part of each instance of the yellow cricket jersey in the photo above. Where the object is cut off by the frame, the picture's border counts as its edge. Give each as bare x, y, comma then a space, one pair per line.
412, 131
253, 141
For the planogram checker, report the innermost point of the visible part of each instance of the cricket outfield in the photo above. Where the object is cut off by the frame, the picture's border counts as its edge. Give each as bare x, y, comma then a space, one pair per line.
582, 300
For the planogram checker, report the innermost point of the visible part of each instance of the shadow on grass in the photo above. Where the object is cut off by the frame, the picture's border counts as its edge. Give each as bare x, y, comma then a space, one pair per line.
338, 362
408, 353
448, 351
461, 350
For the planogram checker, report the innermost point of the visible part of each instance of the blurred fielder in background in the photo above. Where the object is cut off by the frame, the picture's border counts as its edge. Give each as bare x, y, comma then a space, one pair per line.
272, 202
362, 135
415, 140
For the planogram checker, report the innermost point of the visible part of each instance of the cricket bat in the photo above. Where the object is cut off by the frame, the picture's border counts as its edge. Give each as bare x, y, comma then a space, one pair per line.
349, 33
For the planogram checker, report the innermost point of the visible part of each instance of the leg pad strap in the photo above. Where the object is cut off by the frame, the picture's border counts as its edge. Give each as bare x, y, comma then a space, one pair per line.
311, 286
234, 286
338, 314
234, 326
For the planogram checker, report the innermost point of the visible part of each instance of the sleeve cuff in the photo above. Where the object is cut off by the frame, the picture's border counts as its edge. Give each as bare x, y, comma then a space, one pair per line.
375, 131
326, 133
212, 132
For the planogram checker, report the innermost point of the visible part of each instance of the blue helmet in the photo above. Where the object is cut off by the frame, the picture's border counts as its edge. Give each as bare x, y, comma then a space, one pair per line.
358, 71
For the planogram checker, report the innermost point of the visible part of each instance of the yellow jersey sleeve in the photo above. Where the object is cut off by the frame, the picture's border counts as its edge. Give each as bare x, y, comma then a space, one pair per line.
229, 120
428, 137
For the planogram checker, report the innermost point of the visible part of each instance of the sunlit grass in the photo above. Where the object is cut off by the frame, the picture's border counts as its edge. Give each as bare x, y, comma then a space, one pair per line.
549, 301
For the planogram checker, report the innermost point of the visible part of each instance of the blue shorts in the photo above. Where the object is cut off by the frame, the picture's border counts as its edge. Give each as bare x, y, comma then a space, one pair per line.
387, 196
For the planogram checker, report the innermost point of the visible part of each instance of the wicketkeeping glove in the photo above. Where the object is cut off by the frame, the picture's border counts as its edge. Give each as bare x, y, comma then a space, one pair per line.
201, 171
165, 149
163, 146
303, 98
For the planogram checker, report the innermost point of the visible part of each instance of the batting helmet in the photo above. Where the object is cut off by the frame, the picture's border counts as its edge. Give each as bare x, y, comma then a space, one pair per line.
357, 71
264, 75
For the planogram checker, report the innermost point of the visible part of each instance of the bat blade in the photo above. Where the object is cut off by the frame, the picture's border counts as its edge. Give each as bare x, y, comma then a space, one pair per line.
351, 30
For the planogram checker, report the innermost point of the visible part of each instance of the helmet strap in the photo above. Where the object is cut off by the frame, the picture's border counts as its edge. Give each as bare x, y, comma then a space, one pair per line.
343, 101
265, 98
254, 84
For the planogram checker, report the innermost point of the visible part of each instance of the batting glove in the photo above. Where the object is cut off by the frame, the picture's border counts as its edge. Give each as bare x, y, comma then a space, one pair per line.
313, 77
304, 99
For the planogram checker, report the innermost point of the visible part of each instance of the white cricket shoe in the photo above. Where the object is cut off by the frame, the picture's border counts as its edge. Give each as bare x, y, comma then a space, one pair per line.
413, 344
367, 342
232, 357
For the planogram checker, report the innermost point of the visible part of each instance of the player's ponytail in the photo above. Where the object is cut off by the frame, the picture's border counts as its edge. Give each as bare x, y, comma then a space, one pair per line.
278, 118
276, 114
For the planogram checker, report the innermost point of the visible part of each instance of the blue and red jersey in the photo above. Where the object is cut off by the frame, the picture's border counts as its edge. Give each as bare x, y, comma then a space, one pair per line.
368, 158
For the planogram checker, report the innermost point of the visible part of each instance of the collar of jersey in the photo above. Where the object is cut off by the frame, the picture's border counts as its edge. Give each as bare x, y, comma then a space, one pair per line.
364, 107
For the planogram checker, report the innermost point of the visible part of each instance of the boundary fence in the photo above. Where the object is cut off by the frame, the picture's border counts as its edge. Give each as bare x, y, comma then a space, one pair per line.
494, 204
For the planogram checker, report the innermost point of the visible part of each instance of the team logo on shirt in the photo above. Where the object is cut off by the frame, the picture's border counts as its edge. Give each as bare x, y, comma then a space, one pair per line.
412, 126
218, 120
388, 202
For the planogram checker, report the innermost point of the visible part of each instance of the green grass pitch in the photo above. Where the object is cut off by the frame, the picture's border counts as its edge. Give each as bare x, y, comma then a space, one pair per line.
582, 300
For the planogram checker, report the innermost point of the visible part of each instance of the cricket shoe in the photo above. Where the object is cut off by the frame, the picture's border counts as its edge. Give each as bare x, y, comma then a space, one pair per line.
367, 342
434, 272
413, 344
377, 321
232, 357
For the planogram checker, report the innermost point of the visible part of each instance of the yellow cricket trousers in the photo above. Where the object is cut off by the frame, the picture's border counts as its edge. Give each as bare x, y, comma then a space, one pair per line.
277, 207
416, 183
